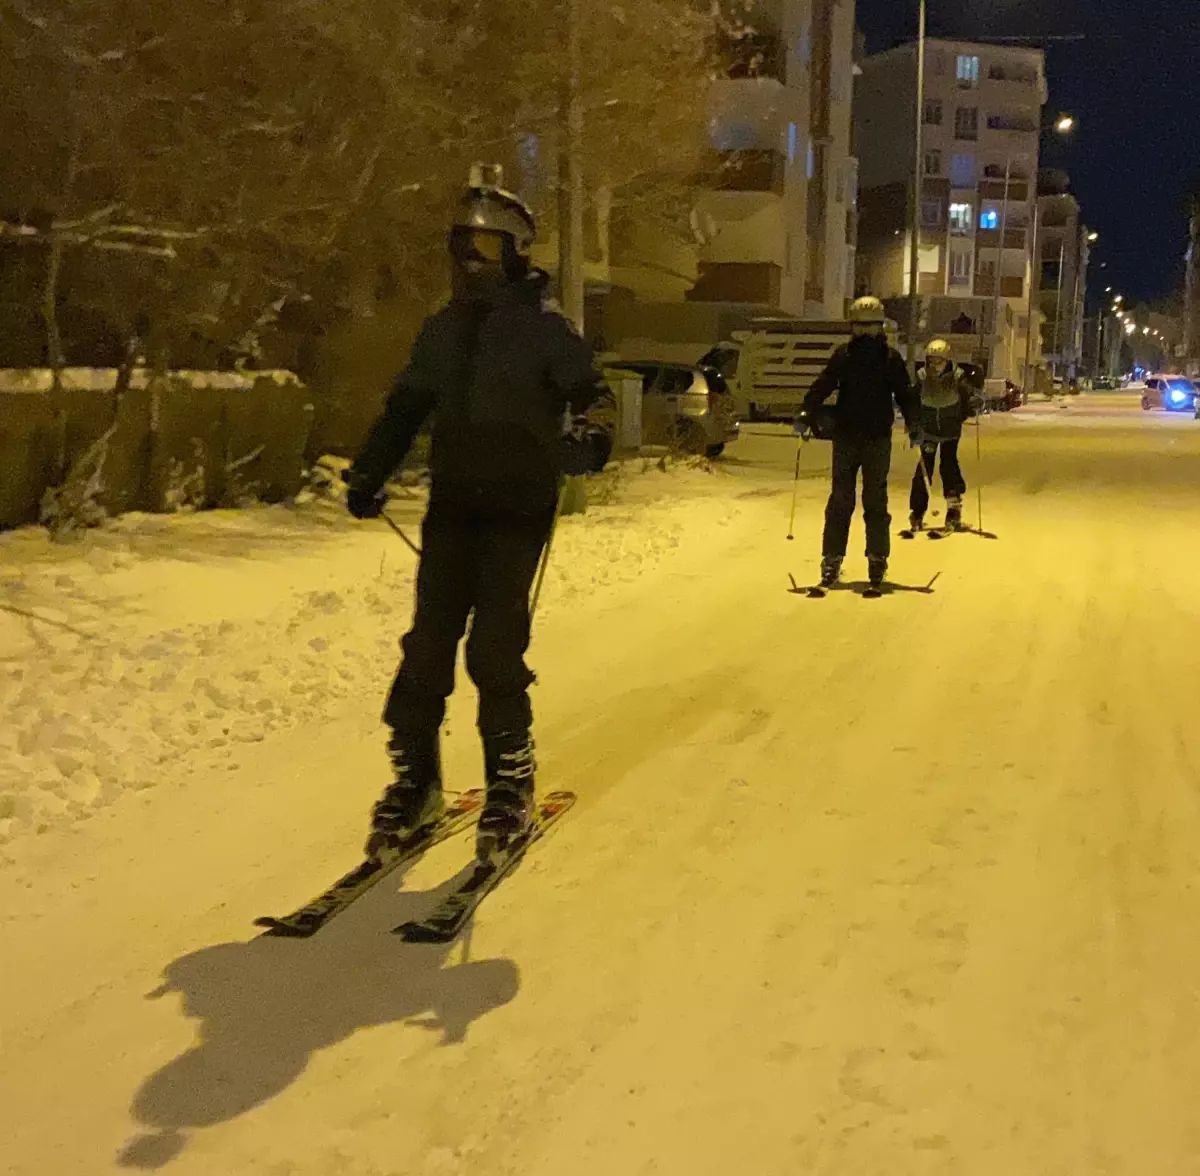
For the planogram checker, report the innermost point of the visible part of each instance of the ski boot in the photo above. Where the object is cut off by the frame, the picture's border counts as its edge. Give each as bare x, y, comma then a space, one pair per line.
414, 800
508, 808
877, 566
954, 514
831, 571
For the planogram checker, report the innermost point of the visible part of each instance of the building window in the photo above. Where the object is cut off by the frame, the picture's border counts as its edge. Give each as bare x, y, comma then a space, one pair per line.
989, 218
793, 140
967, 72
931, 213
966, 122
810, 163
962, 171
933, 163
960, 269
960, 219
933, 113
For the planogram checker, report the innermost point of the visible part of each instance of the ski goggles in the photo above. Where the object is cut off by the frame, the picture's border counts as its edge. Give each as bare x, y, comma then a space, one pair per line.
479, 245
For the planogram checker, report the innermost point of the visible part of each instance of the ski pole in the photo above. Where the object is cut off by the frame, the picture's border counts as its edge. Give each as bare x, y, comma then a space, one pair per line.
978, 473
795, 488
541, 572
391, 522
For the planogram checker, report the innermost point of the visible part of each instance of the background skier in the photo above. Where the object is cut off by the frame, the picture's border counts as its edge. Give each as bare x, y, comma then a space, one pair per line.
945, 405
508, 381
869, 378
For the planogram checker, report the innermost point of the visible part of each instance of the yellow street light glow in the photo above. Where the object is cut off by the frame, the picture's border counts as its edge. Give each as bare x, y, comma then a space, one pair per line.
1064, 123
1145, 330
1093, 238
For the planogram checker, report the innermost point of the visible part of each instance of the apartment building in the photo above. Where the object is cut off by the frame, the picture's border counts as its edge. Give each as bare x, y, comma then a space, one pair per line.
775, 203
1061, 268
980, 134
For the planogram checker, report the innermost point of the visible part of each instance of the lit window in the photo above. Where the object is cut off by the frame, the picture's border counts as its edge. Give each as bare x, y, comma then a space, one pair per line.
989, 218
793, 140
967, 71
960, 219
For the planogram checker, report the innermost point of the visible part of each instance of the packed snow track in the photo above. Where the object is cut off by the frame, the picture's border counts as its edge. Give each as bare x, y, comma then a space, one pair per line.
854, 887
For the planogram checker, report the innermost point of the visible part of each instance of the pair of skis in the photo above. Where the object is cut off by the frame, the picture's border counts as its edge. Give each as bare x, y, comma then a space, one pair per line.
820, 591
446, 921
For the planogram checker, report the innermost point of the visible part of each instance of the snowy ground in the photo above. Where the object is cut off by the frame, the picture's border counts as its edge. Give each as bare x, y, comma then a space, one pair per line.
853, 887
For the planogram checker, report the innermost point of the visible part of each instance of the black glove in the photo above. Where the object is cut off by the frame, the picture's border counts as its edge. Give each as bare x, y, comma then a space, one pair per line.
578, 457
585, 448
361, 502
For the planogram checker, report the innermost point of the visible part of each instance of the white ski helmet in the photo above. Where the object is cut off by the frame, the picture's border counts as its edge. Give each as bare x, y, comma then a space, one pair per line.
867, 312
492, 226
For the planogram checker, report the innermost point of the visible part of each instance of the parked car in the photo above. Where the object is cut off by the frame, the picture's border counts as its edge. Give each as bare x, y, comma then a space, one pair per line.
1105, 384
686, 406
1172, 393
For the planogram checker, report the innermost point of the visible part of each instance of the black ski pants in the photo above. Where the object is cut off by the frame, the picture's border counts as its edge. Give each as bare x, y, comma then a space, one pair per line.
954, 485
475, 567
873, 456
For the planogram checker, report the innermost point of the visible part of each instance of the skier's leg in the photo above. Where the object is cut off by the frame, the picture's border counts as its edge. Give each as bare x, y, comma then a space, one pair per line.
509, 554
918, 497
839, 511
954, 485
416, 703
876, 462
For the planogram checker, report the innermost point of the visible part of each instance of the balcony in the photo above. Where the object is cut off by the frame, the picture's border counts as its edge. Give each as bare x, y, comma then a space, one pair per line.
1010, 286
1020, 123
994, 190
746, 171
756, 55
1020, 74
1014, 238
755, 282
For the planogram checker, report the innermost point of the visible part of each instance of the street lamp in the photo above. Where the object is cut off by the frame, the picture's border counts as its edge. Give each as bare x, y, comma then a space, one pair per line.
1064, 124
1093, 238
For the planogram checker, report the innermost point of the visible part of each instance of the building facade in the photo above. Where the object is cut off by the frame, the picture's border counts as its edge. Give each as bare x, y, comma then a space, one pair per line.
774, 216
1061, 268
980, 136
777, 218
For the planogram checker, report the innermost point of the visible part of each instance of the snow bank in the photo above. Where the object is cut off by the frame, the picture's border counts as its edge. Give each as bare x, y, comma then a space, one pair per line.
159, 636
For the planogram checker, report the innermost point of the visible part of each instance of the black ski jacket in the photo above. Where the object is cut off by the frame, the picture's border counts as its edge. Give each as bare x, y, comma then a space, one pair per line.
868, 377
498, 377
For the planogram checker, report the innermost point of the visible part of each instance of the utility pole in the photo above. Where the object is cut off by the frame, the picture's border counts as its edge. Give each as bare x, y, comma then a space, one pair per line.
570, 169
999, 271
914, 219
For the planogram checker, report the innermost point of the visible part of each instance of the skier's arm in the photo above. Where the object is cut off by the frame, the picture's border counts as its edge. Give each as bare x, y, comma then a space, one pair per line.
905, 393
590, 401
826, 384
408, 405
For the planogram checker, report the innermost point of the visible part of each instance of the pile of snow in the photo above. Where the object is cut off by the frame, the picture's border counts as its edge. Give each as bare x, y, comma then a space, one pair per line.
159, 636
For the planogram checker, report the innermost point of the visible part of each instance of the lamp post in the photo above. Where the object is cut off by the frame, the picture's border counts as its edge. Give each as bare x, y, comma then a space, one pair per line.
914, 212
1064, 124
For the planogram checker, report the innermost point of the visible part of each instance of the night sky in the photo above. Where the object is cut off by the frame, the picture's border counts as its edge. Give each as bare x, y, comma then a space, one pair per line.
1134, 84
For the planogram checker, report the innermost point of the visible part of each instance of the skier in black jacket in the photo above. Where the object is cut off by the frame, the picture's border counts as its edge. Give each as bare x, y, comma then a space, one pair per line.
869, 377
510, 384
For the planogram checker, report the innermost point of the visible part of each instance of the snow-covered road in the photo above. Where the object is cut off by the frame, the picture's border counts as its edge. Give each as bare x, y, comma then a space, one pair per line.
854, 887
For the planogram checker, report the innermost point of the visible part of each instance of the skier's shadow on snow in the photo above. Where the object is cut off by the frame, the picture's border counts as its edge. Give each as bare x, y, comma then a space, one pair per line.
268, 1005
